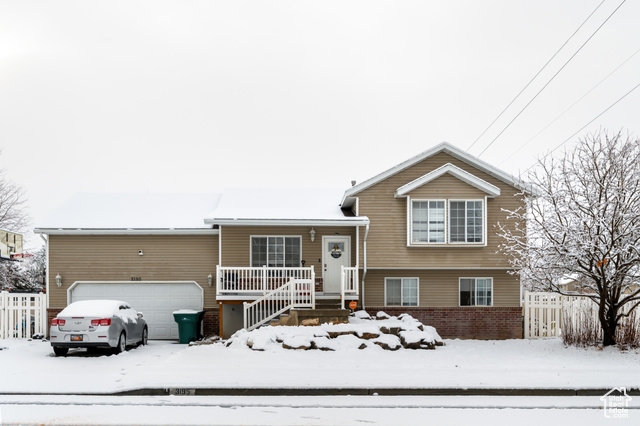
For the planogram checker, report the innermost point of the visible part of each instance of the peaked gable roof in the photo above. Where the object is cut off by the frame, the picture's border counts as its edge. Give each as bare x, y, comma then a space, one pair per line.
491, 190
441, 147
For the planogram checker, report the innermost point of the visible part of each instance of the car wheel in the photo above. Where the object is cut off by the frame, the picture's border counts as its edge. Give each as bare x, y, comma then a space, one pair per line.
122, 343
145, 337
60, 351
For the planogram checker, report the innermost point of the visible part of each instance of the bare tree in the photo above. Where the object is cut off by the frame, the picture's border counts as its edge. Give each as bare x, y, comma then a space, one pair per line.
13, 214
583, 220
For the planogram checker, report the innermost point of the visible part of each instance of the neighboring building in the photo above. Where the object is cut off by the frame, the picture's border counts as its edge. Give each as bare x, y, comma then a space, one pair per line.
417, 238
11, 247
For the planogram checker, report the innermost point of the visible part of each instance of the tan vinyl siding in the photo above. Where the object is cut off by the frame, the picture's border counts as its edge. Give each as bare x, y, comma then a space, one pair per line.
439, 288
236, 242
115, 258
387, 240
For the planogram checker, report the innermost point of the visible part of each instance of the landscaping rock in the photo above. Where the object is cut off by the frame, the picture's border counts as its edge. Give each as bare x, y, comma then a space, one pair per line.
382, 316
310, 322
388, 342
368, 335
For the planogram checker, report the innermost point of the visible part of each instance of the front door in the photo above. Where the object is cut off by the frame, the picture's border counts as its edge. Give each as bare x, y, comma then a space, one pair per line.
336, 252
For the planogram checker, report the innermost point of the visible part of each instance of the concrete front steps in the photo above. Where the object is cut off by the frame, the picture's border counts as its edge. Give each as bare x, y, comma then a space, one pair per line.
327, 310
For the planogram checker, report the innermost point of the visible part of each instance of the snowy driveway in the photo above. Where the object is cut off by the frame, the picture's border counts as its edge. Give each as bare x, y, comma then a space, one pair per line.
29, 367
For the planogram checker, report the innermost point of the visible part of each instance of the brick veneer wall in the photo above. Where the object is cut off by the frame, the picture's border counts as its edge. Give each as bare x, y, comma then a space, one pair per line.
319, 284
466, 323
51, 314
211, 322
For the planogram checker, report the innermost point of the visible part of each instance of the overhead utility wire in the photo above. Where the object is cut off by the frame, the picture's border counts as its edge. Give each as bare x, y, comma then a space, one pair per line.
535, 76
552, 78
567, 110
583, 127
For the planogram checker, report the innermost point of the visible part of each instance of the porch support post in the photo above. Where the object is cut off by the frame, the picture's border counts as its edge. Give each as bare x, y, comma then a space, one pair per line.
264, 279
313, 288
342, 283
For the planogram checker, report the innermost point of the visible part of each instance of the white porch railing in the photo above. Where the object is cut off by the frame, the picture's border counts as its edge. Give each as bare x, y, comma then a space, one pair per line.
22, 315
248, 280
297, 293
349, 282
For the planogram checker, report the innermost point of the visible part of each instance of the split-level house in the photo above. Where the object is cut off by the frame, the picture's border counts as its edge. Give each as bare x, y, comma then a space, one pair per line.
419, 238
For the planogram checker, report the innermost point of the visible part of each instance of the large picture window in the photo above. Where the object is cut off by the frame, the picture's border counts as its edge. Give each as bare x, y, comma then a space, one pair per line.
428, 222
401, 291
476, 291
276, 251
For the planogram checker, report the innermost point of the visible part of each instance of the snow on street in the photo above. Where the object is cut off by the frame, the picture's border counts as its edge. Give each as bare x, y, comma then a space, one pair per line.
30, 367
307, 410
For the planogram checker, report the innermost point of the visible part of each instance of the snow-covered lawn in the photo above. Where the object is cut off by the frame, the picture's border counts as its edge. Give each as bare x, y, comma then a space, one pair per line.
29, 367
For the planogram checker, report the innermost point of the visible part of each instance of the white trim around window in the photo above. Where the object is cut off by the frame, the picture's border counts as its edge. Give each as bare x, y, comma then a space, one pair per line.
401, 291
284, 259
475, 291
423, 230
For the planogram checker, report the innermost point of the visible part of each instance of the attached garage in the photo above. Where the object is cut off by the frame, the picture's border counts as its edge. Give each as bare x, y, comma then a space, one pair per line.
156, 300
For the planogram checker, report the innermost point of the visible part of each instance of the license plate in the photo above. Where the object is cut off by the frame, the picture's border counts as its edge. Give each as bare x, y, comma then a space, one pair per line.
76, 337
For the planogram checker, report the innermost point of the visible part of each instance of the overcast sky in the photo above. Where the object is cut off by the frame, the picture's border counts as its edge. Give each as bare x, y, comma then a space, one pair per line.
196, 96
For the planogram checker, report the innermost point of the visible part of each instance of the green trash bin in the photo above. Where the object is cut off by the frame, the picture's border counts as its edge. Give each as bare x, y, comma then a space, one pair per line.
188, 324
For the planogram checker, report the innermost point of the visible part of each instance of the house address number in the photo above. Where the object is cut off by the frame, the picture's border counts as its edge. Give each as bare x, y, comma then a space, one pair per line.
182, 392
136, 278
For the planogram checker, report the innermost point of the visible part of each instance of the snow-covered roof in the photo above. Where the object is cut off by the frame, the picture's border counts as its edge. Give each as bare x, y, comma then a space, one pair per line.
130, 212
243, 206
441, 147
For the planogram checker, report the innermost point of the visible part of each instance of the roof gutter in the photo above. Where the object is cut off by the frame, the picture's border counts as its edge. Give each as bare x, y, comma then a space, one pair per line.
125, 231
358, 221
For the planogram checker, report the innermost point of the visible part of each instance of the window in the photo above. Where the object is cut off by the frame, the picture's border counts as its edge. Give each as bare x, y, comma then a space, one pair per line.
427, 221
429, 217
465, 221
476, 291
401, 291
276, 251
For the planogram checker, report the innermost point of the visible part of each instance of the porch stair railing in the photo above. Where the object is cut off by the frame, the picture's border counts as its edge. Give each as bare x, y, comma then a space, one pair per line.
349, 282
296, 293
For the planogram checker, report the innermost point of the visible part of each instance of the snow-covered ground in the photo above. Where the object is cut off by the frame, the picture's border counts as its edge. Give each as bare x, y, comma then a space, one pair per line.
30, 367
308, 410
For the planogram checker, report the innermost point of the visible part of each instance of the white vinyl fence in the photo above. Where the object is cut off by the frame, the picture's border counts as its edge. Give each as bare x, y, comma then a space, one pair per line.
22, 315
546, 314
542, 315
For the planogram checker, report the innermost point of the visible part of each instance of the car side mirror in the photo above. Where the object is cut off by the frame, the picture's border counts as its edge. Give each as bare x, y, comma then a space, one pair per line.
140, 315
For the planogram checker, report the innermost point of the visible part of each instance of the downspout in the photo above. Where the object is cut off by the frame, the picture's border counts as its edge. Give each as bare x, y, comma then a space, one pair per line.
46, 271
364, 261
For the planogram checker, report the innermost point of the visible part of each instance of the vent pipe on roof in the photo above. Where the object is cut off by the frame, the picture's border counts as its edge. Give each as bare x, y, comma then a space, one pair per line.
353, 183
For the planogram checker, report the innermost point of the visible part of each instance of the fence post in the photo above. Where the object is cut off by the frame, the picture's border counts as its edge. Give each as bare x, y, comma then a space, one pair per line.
527, 296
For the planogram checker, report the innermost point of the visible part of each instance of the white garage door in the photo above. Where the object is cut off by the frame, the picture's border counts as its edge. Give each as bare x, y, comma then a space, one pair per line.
156, 301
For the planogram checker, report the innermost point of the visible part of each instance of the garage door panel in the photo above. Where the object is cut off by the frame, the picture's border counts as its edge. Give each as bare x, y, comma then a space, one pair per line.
156, 301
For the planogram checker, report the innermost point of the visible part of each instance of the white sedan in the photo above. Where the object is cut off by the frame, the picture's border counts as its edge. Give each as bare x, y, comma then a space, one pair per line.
97, 324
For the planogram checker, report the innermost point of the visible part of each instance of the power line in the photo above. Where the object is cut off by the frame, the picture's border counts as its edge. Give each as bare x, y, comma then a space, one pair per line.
535, 76
583, 127
552, 78
572, 105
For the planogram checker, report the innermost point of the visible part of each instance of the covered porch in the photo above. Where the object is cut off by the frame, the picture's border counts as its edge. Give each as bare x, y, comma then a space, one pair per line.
268, 292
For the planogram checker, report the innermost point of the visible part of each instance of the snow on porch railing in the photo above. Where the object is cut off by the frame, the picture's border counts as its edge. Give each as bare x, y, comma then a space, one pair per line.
542, 315
348, 282
22, 315
247, 280
297, 293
